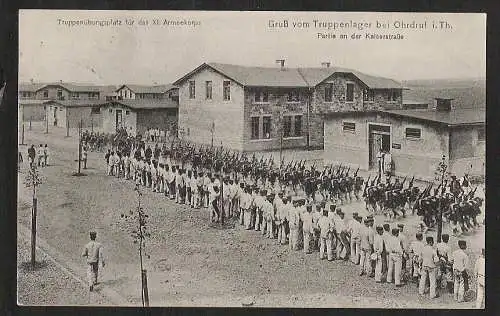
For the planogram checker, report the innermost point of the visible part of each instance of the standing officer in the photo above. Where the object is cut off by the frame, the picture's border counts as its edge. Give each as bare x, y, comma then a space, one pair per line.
307, 228
378, 247
429, 260
460, 260
326, 235
479, 273
94, 254
395, 257
366, 248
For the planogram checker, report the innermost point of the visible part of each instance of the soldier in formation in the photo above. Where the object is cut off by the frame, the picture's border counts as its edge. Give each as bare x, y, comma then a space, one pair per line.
300, 207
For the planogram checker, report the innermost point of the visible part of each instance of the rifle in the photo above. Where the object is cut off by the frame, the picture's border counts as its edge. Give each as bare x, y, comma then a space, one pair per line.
471, 194
366, 185
338, 170
410, 185
347, 173
402, 183
356, 173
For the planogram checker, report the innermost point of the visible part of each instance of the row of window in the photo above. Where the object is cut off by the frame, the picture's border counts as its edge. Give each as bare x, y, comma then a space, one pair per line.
127, 112
368, 94
226, 90
410, 132
261, 126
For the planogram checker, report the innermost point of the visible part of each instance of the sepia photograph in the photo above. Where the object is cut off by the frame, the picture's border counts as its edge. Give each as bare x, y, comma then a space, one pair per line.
251, 159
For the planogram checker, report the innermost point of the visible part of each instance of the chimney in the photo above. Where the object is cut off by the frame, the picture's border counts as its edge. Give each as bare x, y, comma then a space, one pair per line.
325, 64
32, 80
60, 81
443, 104
281, 63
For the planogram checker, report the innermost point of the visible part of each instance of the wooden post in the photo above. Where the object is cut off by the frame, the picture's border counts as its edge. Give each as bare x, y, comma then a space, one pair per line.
67, 128
221, 197
22, 136
46, 123
439, 222
30, 124
145, 292
79, 147
33, 231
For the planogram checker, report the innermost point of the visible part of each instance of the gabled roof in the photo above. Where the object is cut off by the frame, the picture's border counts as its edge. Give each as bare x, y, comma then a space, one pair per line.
457, 117
78, 103
148, 89
315, 76
72, 87
30, 87
146, 104
289, 77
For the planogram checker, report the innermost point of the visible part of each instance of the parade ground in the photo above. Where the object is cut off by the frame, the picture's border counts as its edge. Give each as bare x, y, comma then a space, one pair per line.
192, 262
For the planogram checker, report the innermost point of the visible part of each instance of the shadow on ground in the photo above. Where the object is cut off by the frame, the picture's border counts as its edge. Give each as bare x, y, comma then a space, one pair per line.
27, 267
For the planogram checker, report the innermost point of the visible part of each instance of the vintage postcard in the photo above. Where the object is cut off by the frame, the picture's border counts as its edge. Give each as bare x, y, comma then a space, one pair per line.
251, 159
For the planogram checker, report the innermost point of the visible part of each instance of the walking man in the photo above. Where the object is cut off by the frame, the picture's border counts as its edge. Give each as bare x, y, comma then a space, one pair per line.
94, 254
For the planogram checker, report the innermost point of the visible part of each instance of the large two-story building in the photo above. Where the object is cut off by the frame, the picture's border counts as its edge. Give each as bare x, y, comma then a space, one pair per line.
249, 108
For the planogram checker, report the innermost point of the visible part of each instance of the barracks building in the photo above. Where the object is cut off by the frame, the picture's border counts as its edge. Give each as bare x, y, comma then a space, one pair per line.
416, 139
100, 108
247, 108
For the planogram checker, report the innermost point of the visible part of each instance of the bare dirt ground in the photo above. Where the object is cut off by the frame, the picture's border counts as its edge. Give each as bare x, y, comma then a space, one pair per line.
190, 262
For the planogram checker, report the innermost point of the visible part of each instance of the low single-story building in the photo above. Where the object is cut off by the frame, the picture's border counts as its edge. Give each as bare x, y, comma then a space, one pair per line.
32, 110
60, 113
139, 115
416, 139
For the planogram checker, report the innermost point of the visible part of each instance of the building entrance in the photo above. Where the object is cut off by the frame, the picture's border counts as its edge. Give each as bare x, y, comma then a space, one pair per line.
379, 139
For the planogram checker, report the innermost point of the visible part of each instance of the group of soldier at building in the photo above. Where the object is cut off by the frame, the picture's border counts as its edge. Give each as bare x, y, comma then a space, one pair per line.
299, 207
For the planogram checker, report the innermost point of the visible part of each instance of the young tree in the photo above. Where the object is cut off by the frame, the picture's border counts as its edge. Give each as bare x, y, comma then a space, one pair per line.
440, 175
33, 180
136, 224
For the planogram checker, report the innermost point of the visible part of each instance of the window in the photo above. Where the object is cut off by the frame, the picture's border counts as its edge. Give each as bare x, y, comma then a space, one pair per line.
110, 110
226, 90
127, 112
95, 110
369, 95
287, 126
392, 95
481, 134
266, 127
298, 126
208, 90
45, 93
413, 133
348, 127
328, 92
59, 94
261, 97
349, 94
192, 89
255, 127
293, 96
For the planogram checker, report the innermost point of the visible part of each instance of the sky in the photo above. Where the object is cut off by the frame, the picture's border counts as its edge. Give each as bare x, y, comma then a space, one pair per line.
51, 50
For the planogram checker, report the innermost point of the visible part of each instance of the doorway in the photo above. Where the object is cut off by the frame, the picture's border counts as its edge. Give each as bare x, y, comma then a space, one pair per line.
379, 138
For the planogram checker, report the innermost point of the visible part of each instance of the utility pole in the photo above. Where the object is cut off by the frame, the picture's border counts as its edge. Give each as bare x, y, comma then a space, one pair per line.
46, 122
67, 127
